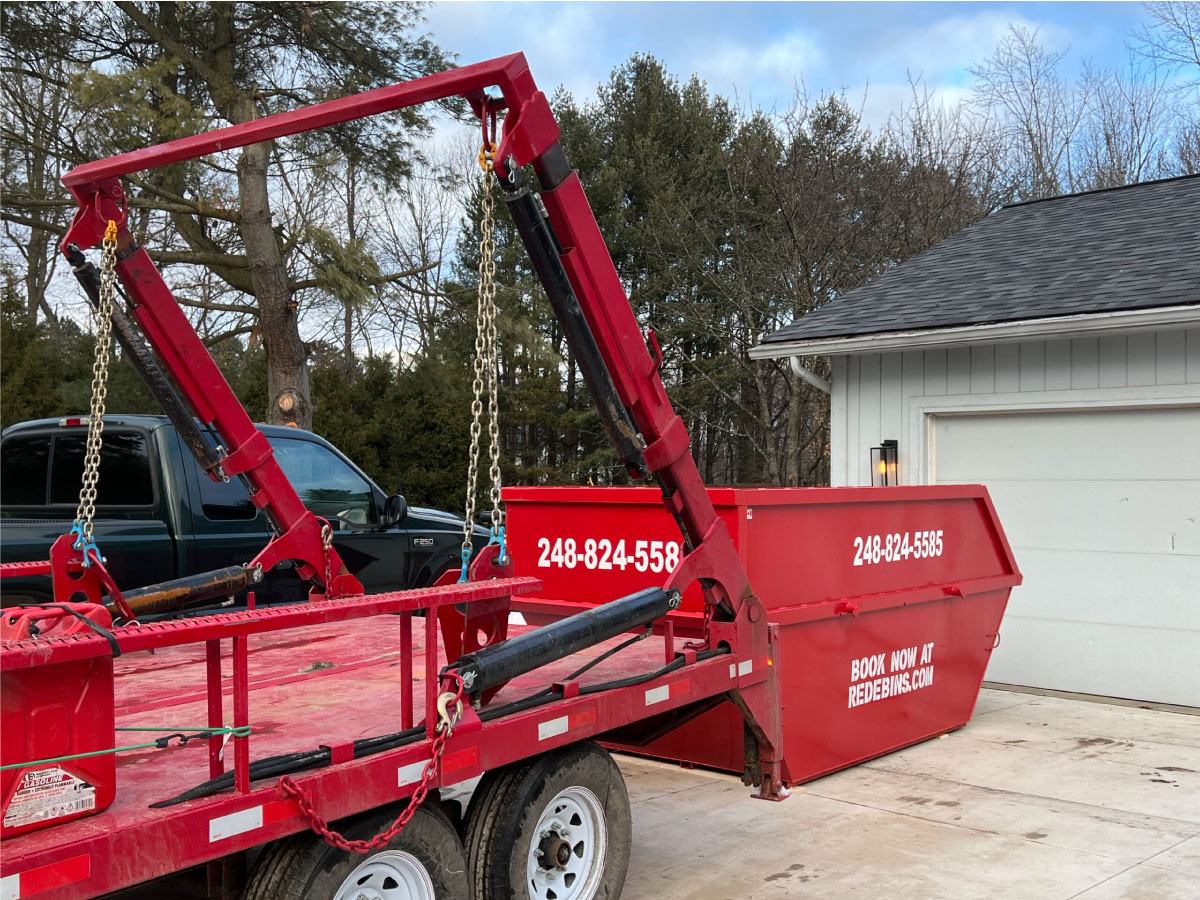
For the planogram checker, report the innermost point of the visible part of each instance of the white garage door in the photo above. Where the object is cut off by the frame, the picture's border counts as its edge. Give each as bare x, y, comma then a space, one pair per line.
1102, 509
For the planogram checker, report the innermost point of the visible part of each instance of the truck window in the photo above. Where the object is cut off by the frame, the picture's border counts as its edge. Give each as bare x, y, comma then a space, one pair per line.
24, 458
326, 484
222, 501
124, 470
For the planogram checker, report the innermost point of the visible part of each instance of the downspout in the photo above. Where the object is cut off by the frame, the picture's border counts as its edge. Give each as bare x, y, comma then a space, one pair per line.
808, 375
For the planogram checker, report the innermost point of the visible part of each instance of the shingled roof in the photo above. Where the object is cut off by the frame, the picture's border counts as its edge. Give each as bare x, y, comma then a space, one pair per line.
1128, 248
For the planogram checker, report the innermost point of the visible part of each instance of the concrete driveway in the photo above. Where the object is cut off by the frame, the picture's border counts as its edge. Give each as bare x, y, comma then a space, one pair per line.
1038, 797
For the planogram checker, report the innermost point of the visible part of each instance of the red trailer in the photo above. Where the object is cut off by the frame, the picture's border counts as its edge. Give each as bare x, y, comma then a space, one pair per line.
356, 710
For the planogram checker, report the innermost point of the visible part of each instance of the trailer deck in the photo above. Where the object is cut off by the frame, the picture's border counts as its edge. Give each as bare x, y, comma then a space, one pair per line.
310, 683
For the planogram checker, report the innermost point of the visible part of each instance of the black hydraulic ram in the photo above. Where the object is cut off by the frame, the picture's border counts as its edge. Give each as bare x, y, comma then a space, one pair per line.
543, 250
191, 590
139, 355
490, 666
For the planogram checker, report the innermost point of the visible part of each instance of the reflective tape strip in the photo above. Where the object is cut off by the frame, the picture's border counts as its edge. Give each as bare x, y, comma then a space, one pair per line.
459, 759
658, 694
411, 773
43, 878
562, 724
667, 691
552, 728
249, 819
235, 823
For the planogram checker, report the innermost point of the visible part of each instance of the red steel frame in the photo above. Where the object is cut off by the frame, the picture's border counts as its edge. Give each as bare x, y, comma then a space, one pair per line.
530, 134
530, 131
84, 859
344, 788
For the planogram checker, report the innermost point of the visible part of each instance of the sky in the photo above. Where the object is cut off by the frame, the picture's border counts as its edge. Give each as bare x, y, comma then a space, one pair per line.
759, 52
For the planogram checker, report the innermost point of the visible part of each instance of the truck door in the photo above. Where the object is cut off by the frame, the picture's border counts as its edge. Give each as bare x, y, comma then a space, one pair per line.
335, 490
227, 530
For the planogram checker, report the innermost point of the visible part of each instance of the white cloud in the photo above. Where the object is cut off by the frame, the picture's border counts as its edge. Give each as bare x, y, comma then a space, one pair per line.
759, 75
758, 52
954, 44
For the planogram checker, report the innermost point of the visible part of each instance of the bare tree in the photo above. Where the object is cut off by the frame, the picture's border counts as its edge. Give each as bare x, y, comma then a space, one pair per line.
1124, 138
1039, 111
1172, 42
1173, 39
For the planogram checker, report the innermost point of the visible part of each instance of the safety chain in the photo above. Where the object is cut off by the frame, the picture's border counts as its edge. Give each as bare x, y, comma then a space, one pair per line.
449, 709
327, 546
103, 315
485, 365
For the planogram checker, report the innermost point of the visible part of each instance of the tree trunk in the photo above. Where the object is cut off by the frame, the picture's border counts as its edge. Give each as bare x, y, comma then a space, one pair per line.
289, 400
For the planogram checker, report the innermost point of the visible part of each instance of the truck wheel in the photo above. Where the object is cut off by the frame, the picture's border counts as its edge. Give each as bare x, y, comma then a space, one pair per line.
556, 827
423, 862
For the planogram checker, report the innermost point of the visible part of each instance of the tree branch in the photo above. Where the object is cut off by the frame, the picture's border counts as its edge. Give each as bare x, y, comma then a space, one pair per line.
225, 335
213, 306
370, 282
186, 56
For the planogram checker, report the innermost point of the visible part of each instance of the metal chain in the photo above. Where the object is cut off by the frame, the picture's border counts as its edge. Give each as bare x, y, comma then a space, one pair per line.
447, 720
103, 315
488, 288
485, 366
327, 546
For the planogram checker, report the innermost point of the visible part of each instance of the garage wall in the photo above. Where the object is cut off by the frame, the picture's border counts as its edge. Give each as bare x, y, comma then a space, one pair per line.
1102, 509
1091, 449
892, 395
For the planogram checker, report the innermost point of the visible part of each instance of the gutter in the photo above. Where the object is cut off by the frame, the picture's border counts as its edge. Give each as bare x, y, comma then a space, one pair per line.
1084, 325
809, 375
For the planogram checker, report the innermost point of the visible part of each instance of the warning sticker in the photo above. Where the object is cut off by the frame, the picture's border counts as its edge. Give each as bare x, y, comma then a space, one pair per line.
47, 794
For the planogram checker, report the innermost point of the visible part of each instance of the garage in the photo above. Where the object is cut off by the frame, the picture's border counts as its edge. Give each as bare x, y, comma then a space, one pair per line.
1101, 509
1050, 352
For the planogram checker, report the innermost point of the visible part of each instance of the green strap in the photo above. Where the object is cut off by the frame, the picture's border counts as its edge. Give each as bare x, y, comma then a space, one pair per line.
206, 733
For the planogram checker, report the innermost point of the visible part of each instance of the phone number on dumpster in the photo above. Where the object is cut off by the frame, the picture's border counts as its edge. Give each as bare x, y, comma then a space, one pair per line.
603, 554
874, 549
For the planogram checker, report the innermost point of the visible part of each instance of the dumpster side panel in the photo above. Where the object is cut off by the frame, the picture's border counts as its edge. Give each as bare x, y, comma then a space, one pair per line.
865, 546
592, 545
889, 601
856, 688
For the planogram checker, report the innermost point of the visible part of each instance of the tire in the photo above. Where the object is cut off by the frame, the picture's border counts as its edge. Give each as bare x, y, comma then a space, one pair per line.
425, 861
521, 810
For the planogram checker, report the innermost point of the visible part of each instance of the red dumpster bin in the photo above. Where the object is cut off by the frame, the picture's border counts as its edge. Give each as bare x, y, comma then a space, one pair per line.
889, 603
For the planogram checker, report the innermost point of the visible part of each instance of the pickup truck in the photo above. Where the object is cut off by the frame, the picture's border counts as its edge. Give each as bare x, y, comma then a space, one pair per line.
159, 516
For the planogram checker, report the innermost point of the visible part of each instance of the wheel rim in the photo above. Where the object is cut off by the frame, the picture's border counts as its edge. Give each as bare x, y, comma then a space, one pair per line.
389, 875
566, 855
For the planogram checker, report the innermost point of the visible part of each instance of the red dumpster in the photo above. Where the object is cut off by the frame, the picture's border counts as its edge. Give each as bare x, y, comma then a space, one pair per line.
889, 603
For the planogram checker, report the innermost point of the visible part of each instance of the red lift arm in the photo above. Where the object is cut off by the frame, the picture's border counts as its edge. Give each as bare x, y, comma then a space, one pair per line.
573, 262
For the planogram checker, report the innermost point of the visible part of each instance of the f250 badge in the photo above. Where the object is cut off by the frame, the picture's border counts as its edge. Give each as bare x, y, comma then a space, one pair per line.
422, 542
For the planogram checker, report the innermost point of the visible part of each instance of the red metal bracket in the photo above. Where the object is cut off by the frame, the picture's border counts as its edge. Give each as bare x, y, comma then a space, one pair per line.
529, 131
480, 623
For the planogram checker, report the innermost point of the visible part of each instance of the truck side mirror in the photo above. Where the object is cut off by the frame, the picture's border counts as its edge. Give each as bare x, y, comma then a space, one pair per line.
395, 509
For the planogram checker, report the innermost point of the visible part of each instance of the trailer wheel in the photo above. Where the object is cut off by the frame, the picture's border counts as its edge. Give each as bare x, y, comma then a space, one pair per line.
423, 862
556, 827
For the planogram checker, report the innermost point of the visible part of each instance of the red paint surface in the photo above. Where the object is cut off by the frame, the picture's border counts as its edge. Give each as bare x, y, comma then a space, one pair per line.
325, 683
43, 878
798, 549
58, 710
348, 670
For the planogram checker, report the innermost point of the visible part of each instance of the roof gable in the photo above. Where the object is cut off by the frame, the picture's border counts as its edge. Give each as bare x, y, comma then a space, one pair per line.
1135, 247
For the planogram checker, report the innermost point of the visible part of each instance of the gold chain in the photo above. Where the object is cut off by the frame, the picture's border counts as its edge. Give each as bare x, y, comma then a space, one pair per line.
485, 367
103, 315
